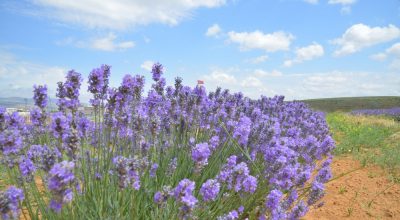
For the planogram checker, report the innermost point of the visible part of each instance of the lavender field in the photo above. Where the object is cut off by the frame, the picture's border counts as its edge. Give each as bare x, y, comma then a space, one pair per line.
199, 110
173, 153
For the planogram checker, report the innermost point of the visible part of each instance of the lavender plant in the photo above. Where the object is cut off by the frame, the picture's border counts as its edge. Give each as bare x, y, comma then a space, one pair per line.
176, 153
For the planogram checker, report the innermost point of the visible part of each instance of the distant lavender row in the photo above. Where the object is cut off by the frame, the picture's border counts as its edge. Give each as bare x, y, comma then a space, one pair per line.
177, 153
389, 112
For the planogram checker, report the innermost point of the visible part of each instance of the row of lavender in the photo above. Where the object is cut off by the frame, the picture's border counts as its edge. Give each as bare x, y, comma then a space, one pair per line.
176, 153
394, 112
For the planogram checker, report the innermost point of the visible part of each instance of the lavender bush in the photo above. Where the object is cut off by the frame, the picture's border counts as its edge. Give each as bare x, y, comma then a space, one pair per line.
177, 153
392, 112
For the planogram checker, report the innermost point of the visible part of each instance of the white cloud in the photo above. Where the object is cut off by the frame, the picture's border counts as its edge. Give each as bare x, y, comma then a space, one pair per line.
309, 52
378, 56
254, 83
106, 43
17, 77
342, 2
392, 53
251, 82
312, 1
348, 84
213, 31
258, 60
147, 65
121, 14
346, 9
360, 36
221, 77
394, 50
272, 42
262, 73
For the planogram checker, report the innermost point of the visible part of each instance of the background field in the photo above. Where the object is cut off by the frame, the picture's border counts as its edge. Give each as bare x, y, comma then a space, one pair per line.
352, 103
366, 165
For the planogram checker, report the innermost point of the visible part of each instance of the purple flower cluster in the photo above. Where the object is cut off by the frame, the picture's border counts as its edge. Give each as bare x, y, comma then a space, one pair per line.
40, 96
60, 125
148, 142
161, 197
210, 189
237, 176
43, 156
200, 154
242, 130
13, 131
72, 86
389, 111
232, 215
61, 179
37, 117
157, 71
183, 193
9, 202
27, 168
98, 84
128, 172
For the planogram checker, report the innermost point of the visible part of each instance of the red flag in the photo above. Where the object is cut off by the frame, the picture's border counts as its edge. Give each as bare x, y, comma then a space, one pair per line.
200, 82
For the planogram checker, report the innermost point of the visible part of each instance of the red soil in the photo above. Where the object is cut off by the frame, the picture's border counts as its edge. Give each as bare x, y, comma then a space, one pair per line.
366, 193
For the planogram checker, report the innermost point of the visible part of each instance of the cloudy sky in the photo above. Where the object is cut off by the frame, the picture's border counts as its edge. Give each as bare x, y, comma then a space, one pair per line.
297, 48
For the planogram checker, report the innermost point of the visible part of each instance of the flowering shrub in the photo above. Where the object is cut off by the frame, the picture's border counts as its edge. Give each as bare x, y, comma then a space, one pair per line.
392, 112
178, 152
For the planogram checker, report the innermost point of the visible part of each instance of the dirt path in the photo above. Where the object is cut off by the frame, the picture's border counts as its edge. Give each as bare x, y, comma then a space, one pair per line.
350, 196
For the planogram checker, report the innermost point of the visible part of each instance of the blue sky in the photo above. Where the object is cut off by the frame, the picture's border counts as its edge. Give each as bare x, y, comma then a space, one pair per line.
297, 48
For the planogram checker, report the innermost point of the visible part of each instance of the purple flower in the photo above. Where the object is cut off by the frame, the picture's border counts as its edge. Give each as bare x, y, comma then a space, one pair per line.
153, 170
3, 115
60, 125
273, 199
158, 198
172, 166
230, 216
71, 88
84, 125
162, 196
183, 193
214, 141
9, 202
209, 190
38, 117
298, 211
27, 168
40, 96
43, 156
317, 192
98, 83
157, 71
10, 142
61, 94
200, 154
61, 178
242, 130
324, 175
128, 172
237, 176
250, 184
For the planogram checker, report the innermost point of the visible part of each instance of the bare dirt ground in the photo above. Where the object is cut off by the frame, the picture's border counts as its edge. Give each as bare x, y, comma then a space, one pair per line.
366, 193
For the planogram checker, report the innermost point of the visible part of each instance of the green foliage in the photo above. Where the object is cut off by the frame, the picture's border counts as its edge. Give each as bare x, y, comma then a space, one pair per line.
369, 138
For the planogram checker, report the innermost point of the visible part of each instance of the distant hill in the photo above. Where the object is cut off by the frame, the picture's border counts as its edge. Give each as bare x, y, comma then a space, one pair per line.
352, 103
19, 102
